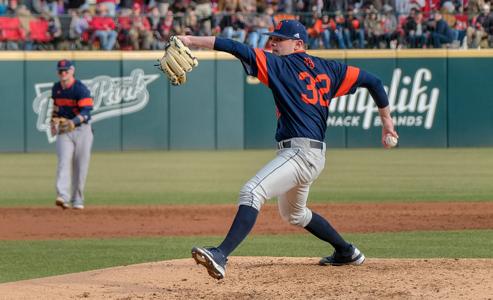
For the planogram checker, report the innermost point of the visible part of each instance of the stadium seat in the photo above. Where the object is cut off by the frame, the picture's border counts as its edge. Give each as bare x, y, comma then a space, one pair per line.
11, 30
39, 31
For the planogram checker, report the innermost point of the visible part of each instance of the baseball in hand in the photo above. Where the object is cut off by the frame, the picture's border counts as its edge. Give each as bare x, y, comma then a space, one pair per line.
390, 140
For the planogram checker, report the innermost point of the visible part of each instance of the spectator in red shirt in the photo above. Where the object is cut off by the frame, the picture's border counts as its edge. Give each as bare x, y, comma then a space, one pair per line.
140, 33
103, 27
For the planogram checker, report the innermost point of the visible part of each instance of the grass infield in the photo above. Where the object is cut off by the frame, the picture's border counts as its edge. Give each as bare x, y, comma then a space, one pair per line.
34, 259
193, 177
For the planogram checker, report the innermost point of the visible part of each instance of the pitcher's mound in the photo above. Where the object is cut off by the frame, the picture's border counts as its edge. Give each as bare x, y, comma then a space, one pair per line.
270, 278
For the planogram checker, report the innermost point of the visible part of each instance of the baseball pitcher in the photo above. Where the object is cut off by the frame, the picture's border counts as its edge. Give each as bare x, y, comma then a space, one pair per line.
302, 86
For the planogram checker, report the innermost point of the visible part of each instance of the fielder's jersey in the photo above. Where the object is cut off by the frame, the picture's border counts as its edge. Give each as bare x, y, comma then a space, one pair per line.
73, 100
302, 85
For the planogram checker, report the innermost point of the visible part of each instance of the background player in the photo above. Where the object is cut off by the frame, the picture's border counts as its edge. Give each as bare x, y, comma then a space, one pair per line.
302, 86
72, 100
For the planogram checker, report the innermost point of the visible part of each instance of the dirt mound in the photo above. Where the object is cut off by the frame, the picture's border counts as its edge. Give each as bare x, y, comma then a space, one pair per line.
270, 278
254, 277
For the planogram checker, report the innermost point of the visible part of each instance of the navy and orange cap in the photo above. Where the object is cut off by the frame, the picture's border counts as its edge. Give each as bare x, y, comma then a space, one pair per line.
64, 64
290, 30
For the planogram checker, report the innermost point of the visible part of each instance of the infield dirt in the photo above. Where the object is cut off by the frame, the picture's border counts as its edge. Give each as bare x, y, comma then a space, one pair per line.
117, 221
255, 277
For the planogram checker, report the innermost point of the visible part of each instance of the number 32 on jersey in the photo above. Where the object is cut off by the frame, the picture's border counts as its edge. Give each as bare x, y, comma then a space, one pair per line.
318, 87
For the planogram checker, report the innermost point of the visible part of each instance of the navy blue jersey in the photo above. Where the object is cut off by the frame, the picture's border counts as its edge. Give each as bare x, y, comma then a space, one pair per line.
302, 86
73, 100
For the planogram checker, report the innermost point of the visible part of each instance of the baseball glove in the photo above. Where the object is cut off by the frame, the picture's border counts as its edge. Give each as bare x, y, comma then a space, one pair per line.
61, 125
176, 61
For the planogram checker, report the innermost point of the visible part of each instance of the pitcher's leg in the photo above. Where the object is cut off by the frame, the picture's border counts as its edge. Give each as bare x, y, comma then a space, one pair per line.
292, 208
275, 178
65, 151
81, 163
292, 205
321, 228
245, 219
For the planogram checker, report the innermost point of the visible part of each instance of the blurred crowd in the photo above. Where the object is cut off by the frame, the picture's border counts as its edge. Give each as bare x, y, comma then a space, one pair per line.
147, 24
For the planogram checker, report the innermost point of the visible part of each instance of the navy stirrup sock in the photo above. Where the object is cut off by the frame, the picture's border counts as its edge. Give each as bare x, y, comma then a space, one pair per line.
242, 225
321, 228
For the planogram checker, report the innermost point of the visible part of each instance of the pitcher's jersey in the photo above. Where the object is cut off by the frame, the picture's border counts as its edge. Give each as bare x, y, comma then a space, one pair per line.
73, 100
302, 86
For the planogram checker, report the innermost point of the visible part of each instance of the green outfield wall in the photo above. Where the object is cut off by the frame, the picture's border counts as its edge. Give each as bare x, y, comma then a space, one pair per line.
439, 98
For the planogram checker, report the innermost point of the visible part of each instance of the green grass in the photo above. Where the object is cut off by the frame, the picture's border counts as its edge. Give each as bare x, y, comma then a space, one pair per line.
351, 175
141, 178
35, 259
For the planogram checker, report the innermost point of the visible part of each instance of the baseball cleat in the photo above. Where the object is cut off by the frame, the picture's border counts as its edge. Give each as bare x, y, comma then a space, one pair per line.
212, 259
78, 206
60, 202
338, 259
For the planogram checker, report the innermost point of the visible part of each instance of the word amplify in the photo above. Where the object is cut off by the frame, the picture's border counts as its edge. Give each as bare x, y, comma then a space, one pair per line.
414, 102
113, 96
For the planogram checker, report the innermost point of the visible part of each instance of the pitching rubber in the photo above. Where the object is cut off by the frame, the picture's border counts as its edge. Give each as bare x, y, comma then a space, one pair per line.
202, 257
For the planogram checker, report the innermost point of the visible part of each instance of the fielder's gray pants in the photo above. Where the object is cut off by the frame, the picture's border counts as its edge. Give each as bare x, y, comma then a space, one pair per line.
74, 152
288, 177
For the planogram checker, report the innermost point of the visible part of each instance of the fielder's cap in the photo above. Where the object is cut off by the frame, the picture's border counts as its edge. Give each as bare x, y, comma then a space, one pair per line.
290, 30
64, 64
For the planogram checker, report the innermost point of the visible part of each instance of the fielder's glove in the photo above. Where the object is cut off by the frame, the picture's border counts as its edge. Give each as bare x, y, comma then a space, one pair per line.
176, 61
54, 122
61, 125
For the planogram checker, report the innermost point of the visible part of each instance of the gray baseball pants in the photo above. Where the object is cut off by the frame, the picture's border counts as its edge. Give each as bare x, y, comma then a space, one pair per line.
289, 177
74, 153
